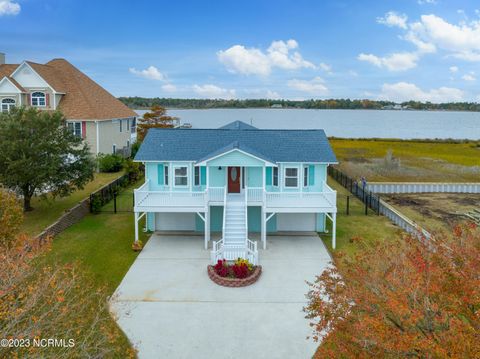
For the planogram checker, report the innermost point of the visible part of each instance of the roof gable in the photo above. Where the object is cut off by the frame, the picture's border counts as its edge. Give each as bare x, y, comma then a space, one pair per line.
27, 76
7, 86
238, 125
235, 154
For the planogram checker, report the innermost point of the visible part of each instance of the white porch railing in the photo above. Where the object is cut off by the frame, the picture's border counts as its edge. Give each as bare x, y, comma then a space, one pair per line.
255, 194
216, 194
152, 199
326, 199
232, 252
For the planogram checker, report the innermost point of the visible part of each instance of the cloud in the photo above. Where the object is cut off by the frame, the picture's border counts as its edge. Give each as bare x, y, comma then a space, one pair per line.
213, 91
404, 91
462, 40
169, 88
469, 77
151, 73
262, 93
253, 61
325, 67
453, 69
316, 86
400, 61
393, 19
8, 7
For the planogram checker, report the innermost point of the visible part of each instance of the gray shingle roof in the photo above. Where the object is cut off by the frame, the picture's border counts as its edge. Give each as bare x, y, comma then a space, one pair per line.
272, 145
238, 125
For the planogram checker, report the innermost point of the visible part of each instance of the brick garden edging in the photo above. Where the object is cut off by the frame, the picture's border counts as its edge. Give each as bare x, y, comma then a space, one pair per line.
234, 282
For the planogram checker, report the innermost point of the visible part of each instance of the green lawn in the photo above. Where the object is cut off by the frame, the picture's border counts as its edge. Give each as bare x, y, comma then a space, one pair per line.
101, 243
419, 160
370, 228
48, 210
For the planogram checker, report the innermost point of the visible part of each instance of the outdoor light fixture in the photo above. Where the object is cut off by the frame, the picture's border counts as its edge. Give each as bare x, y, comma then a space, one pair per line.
219, 168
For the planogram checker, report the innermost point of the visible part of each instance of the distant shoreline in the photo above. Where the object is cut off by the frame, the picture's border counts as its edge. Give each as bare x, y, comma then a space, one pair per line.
301, 108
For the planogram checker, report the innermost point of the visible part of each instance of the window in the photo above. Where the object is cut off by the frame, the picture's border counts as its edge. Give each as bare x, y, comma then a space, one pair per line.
275, 176
114, 149
120, 122
305, 176
133, 125
291, 177
128, 144
39, 99
165, 174
75, 128
197, 176
181, 178
8, 104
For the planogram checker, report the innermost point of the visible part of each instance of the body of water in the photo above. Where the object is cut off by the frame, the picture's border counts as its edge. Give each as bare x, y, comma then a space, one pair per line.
344, 123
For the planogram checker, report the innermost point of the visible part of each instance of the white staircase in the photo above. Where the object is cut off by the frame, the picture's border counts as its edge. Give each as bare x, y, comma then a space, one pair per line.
235, 221
235, 243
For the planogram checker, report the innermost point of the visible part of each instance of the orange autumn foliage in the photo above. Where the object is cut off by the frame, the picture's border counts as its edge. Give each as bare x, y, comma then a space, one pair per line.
156, 118
401, 299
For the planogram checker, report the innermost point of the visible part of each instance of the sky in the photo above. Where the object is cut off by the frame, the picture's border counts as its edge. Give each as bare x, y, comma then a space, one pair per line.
424, 50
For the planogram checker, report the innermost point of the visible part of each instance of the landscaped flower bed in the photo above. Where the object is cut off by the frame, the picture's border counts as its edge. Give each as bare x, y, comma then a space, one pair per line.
239, 274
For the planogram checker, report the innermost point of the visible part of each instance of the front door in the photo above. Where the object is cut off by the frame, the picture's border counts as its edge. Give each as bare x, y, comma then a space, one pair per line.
233, 179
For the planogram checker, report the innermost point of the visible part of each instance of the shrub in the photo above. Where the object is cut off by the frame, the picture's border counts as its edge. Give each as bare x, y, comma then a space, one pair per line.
401, 299
221, 268
134, 149
240, 269
110, 162
96, 204
132, 169
11, 217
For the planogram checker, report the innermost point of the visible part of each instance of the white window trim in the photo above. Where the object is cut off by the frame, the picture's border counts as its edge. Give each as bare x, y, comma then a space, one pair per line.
166, 175
174, 176
285, 176
195, 169
273, 176
38, 97
8, 104
74, 123
306, 181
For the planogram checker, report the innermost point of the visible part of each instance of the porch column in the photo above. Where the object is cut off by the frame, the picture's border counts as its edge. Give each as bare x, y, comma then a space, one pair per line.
136, 226
264, 228
334, 230
207, 227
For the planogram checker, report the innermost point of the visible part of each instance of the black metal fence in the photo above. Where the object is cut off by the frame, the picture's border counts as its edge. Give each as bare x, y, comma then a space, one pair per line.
106, 194
358, 189
373, 201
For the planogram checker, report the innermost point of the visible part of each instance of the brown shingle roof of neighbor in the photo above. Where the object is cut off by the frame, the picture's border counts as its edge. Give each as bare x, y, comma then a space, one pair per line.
16, 84
83, 98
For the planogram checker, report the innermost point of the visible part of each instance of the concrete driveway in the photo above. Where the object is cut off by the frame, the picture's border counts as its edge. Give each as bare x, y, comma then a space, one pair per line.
169, 308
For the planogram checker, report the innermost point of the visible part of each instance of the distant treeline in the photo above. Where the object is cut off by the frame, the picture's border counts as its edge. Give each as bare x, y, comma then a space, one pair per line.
142, 102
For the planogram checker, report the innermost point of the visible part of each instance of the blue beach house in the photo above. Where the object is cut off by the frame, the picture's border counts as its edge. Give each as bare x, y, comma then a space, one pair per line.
235, 180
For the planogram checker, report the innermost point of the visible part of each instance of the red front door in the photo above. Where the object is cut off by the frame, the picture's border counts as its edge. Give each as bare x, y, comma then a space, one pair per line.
233, 179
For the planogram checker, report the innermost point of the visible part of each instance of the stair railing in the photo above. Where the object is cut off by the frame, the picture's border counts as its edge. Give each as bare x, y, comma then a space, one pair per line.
224, 213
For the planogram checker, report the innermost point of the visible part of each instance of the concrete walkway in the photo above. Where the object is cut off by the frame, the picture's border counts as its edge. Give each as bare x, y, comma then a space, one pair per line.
169, 308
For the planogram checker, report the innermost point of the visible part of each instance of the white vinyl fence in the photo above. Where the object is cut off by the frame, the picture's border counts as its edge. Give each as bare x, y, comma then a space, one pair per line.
423, 187
401, 220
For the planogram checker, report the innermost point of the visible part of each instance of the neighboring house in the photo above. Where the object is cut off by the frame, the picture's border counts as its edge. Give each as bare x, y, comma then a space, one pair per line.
235, 180
92, 113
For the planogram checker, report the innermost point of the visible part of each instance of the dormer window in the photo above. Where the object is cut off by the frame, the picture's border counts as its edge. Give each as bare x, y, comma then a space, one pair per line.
8, 104
39, 99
